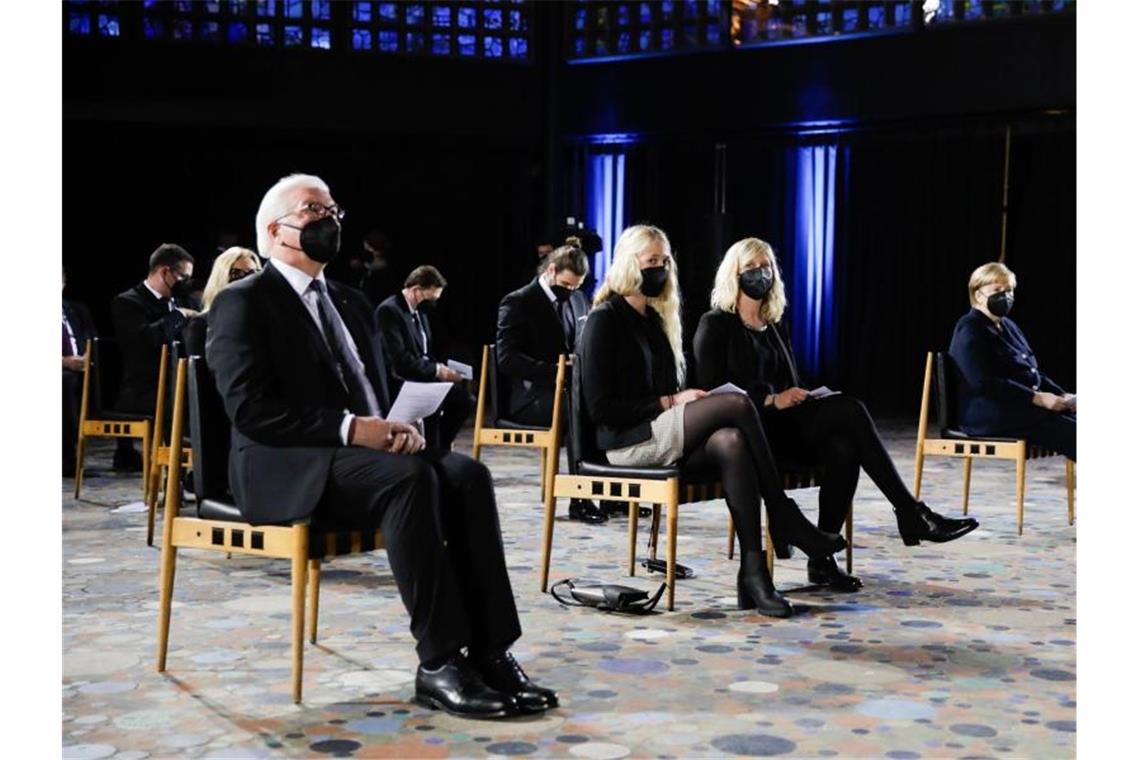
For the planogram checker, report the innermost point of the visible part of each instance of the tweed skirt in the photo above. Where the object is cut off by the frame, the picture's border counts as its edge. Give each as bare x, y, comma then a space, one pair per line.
664, 446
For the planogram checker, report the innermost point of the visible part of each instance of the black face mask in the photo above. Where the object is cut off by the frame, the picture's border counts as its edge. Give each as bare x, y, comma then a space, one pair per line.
427, 306
180, 290
320, 240
757, 283
653, 281
561, 293
999, 304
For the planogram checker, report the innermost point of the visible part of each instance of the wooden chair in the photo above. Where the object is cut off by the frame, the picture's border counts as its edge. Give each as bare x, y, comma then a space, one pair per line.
634, 485
955, 443
160, 453
218, 525
797, 475
491, 429
96, 419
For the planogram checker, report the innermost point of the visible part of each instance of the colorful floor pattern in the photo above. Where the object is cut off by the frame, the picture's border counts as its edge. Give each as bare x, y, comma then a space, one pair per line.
957, 650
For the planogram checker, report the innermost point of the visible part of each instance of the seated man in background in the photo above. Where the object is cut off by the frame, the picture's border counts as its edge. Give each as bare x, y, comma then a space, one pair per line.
403, 321
78, 327
537, 323
301, 370
145, 317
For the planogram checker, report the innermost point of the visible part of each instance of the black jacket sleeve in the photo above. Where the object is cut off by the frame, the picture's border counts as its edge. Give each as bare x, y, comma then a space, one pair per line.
239, 355
601, 339
404, 357
132, 326
511, 345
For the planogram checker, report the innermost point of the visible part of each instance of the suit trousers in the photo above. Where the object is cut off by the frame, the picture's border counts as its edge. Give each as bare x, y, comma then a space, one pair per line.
441, 428
445, 548
1056, 431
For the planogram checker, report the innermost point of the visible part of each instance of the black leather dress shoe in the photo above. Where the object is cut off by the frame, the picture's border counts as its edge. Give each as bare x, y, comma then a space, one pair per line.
823, 571
500, 671
586, 511
457, 688
127, 460
924, 524
621, 509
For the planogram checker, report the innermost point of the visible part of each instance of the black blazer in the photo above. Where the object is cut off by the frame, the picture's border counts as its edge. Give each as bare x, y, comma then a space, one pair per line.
281, 390
194, 336
402, 342
529, 340
616, 362
82, 326
725, 354
996, 375
142, 324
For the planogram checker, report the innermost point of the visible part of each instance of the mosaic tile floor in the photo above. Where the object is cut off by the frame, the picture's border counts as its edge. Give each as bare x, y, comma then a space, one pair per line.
957, 650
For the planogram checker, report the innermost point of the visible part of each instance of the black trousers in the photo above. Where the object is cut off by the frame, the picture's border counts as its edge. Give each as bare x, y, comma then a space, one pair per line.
838, 433
72, 389
438, 515
1053, 430
441, 428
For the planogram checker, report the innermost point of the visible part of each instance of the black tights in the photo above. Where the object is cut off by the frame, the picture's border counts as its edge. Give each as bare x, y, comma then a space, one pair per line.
724, 433
838, 433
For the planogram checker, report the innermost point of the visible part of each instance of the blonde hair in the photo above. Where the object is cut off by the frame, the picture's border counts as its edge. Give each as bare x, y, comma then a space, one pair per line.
220, 274
623, 278
988, 274
726, 286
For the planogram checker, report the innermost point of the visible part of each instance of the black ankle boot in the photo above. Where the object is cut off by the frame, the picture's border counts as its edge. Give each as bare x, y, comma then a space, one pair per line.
788, 527
921, 523
824, 572
754, 589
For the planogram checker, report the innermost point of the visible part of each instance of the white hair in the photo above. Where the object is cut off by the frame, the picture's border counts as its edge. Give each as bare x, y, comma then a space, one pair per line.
276, 204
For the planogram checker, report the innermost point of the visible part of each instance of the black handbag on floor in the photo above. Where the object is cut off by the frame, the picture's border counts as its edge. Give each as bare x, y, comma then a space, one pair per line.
608, 597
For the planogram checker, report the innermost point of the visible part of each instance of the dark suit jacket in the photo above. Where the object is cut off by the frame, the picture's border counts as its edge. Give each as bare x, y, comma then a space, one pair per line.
82, 326
725, 354
617, 366
402, 342
996, 375
142, 324
281, 390
194, 335
529, 341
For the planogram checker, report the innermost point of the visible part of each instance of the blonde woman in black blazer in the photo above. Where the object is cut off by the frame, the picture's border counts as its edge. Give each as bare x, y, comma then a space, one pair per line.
742, 341
632, 371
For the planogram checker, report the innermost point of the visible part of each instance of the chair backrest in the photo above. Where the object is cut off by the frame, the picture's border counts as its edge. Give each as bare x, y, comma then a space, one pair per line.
945, 392
209, 433
491, 399
582, 434
106, 370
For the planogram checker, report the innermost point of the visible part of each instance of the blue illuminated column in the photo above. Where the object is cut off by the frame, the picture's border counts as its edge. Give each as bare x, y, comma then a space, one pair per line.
813, 297
605, 205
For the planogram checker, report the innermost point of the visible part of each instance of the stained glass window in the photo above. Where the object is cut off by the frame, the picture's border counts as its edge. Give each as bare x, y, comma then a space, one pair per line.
362, 12
464, 28
441, 16
441, 44
625, 28
466, 44
466, 18
320, 9
361, 39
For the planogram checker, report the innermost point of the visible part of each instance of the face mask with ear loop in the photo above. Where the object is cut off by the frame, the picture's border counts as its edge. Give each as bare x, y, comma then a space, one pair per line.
608, 597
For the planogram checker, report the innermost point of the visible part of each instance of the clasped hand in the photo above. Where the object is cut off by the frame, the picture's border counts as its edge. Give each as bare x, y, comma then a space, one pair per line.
382, 435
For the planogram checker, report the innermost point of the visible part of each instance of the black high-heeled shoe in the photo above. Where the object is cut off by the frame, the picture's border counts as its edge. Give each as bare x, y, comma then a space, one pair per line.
924, 524
823, 571
754, 589
788, 527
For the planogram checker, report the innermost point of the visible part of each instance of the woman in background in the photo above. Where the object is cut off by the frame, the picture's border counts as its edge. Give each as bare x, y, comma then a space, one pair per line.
742, 341
632, 369
232, 264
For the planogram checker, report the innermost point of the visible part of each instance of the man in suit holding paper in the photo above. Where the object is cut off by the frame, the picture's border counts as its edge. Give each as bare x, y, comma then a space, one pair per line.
403, 320
301, 370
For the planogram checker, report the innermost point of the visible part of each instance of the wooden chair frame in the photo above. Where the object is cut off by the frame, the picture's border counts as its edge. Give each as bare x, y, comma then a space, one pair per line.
545, 441
140, 429
160, 449
295, 542
969, 449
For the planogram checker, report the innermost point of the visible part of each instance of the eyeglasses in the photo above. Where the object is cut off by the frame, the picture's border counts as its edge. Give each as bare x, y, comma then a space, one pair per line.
321, 210
238, 274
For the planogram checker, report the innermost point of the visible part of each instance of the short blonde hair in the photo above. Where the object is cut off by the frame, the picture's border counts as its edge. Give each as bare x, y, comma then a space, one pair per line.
624, 278
220, 274
726, 285
988, 274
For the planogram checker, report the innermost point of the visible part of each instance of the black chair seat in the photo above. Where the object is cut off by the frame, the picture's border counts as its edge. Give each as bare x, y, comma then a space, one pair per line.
614, 471
216, 509
958, 435
110, 415
508, 425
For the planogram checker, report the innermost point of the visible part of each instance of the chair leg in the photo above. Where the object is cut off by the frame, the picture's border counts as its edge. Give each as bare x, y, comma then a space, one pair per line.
633, 509
146, 458
300, 562
544, 453
919, 458
1070, 484
850, 538
671, 543
731, 536
1020, 487
969, 461
548, 531
152, 505
314, 597
80, 452
165, 594
770, 551
654, 531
